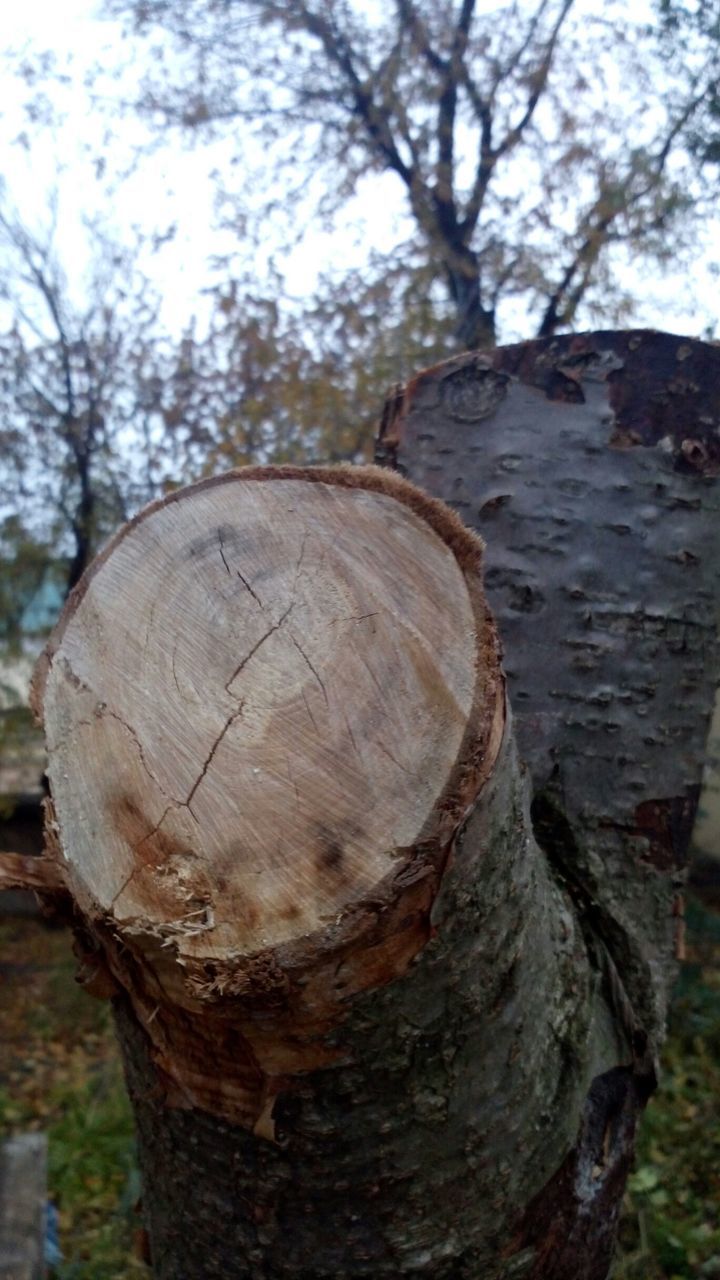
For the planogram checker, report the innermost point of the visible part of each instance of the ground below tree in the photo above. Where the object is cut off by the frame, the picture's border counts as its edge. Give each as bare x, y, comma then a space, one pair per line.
60, 1071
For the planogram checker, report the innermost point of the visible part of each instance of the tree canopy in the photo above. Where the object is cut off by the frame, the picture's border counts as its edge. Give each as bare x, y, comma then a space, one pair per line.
537, 145
80, 381
269, 382
537, 149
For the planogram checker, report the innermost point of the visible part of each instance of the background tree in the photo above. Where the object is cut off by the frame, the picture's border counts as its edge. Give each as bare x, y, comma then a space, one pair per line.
270, 381
536, 145
103, 410
79, 384
691, 38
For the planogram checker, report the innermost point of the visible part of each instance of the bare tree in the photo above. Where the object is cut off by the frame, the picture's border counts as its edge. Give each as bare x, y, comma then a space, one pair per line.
79, 384
535, 145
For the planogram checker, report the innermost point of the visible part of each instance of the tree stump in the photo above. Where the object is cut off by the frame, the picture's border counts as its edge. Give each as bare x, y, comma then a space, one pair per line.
366, 1029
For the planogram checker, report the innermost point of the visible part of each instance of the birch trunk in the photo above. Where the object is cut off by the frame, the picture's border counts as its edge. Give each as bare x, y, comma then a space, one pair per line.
367, 1031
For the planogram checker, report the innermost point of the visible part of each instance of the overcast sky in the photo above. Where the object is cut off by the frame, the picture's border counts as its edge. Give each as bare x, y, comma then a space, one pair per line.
175, 186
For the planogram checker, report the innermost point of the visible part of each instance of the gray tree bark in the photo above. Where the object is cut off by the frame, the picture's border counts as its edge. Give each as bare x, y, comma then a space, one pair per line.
590, 462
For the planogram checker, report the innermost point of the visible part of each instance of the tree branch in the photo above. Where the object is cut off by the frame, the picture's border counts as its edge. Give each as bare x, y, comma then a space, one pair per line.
419, 35
364, 107
561, 310
539, 79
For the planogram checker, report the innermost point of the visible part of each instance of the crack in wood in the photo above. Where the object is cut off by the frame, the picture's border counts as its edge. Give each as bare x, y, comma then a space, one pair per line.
276, 626
299, 564
253, 593
240, 575
371, 673
352, 735
235, 715
309, 711
316, 674
76, 681
174, 671
354, 617
114, 715
222, 553
381, 746
174, 804
124, 884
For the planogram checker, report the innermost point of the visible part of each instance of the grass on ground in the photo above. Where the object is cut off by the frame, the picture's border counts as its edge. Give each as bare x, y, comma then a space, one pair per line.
60, 1071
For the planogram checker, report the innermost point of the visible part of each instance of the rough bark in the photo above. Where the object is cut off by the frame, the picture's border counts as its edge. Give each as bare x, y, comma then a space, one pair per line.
455, 1096
373, 1050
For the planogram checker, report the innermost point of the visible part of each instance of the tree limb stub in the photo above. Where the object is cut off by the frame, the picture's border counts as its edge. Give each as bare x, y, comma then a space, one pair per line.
267, 708
22, 871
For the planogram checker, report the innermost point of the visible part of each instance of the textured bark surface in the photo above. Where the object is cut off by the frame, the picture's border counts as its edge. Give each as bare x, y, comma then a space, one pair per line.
455, 1097
589, 463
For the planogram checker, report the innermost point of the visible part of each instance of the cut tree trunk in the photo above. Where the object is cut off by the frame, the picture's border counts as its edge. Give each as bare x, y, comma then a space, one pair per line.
366, 1029
590, 463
